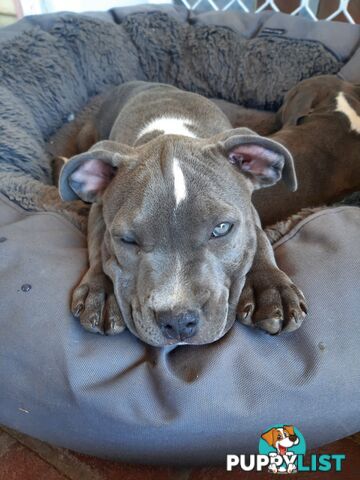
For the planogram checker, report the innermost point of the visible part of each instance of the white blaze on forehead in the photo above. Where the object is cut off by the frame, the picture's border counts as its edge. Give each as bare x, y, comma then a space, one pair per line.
169, 126
176, 286
179, 182
343, 106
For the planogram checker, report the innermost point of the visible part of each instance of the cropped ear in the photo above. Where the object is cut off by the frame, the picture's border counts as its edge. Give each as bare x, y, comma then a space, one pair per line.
87, 175
262, 160
297, 104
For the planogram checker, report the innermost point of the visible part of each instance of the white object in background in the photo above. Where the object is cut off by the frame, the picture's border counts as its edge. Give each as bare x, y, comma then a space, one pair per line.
31, 7
305, 8
34, 7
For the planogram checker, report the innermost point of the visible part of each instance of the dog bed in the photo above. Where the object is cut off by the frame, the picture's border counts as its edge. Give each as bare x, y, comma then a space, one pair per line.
114, 396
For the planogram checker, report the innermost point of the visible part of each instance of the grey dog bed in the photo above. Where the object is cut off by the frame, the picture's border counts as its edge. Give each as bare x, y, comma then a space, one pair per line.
116, 396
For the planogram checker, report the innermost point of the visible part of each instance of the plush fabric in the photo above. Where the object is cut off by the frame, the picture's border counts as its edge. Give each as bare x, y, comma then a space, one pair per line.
51, 65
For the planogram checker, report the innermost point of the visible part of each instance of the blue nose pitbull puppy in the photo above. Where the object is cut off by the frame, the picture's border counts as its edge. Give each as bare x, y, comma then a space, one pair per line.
172, 223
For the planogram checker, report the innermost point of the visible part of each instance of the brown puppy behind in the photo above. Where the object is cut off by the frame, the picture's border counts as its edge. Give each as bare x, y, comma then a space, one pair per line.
319, 122
261, 121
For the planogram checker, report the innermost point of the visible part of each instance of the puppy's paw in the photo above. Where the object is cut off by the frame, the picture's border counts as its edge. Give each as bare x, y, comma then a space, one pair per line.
270, 301
95, 305
114, 322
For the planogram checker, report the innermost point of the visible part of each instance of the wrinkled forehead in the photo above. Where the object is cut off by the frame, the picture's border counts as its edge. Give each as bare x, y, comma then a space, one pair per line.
171, 199
179, 186
175, 188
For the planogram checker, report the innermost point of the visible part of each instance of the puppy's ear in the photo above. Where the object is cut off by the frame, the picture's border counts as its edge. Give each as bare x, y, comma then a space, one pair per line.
289, 429
297, 104
269, 437
262, 160
87, 175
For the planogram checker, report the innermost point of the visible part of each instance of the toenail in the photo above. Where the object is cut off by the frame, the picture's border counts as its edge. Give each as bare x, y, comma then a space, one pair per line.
303, 308
79, 309
247, 311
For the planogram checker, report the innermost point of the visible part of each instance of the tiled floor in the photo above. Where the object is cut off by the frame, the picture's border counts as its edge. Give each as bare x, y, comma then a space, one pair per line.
24, 458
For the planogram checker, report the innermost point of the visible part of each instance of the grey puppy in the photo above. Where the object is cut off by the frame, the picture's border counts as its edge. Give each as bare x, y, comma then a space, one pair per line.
172, 223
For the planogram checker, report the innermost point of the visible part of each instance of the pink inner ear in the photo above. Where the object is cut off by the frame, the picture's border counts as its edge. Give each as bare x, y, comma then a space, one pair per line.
93, 176
257, 160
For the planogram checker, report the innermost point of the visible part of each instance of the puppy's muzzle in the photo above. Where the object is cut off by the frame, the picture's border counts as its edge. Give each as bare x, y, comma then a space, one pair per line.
180, 326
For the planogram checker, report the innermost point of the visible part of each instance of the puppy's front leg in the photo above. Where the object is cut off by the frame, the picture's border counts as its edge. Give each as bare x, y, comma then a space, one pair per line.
270, 300
93, 300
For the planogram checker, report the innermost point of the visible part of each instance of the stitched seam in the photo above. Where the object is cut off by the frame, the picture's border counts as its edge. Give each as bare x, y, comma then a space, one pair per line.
309, 219
26, 213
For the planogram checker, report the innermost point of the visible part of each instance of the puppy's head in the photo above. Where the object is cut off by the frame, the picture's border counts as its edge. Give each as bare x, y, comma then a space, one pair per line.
180, 230
281, 438
316, 97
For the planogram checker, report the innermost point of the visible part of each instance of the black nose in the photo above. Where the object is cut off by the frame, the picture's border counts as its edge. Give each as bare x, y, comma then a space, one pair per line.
293, 438
178, 326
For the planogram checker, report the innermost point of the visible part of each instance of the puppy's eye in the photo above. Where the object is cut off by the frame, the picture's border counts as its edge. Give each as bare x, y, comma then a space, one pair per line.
222, 229
128, 240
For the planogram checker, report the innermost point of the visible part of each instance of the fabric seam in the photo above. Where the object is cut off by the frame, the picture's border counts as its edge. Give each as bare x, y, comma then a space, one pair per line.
293, 232
27, 213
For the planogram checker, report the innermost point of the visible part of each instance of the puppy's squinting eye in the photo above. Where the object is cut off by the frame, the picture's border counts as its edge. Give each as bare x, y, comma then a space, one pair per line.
128, 240
222, 229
